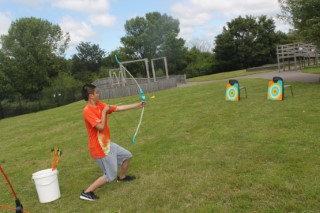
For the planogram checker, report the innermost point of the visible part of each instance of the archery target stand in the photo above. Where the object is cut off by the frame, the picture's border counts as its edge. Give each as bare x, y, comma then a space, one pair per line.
276, 88
233, 90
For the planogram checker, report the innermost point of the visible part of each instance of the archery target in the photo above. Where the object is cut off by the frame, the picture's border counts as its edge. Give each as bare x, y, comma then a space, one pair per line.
232, 92
275, 91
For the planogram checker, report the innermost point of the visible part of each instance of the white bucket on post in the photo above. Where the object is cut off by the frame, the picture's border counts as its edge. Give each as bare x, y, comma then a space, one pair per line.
47, 185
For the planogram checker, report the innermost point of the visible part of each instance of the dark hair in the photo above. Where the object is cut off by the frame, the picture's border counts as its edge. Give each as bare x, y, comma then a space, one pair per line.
87, 89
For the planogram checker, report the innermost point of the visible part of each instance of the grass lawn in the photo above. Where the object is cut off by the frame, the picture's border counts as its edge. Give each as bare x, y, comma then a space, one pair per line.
312, 69
194, 152
224, 75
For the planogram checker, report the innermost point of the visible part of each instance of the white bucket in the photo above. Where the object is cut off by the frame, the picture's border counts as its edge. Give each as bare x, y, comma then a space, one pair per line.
47, 185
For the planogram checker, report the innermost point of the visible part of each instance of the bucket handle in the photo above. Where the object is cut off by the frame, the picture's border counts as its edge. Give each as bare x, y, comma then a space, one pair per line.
45, 184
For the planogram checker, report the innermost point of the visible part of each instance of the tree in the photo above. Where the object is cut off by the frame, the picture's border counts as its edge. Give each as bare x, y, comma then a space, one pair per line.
87, 61
153, 36
304, 16
226, 52
176, 54
30, 51
5, 90
199, 63
246, 42
291, 37
89, 57
64, 89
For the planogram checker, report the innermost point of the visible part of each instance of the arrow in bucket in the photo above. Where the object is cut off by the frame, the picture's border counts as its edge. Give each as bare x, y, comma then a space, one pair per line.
56, 153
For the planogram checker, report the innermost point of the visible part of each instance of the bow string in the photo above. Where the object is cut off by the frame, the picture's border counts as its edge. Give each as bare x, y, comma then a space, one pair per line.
142, 97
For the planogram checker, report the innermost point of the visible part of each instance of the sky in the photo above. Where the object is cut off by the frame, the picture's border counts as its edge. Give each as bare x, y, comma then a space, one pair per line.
102, 21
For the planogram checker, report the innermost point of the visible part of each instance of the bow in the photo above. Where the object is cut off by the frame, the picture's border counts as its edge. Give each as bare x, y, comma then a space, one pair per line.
19, 207
142, 96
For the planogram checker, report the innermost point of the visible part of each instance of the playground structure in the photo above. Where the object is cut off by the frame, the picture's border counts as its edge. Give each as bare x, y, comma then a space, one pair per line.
118, 76
118, 85
302, 55
165, 66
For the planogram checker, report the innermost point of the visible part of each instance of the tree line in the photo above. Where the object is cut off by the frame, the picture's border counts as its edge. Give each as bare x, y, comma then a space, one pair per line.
35, 75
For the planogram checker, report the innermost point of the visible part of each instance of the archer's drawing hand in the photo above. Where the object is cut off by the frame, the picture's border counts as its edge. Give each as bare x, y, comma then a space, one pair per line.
106, 109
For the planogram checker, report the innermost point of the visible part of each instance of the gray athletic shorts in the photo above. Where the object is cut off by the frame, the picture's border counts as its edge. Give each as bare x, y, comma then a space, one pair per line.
109, 164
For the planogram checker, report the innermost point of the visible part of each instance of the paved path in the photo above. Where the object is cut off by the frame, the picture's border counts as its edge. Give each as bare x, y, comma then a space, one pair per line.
288, 76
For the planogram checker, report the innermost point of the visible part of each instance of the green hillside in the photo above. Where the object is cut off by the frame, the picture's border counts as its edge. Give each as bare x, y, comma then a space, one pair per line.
194, 152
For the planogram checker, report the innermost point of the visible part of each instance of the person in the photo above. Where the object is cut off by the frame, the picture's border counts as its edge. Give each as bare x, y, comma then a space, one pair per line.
108, 155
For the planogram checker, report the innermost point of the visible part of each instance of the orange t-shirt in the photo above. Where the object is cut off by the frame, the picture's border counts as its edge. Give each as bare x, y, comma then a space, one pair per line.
99, 141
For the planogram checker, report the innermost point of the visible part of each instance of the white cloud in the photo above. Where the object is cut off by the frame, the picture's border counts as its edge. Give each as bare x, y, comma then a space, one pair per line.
97, 10
281, 25
5, 20
235, 7
79, 31
85, 6
102, 19
31, 1
196, 14
195, 19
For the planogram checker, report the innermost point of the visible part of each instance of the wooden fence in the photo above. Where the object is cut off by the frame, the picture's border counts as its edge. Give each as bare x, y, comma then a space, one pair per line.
299, 52
108, 90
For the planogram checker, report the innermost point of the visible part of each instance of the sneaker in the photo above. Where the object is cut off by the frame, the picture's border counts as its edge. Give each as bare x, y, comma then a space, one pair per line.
127, 178
88, 196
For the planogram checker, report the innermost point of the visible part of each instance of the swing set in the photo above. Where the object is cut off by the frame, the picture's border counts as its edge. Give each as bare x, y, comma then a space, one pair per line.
118, 76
